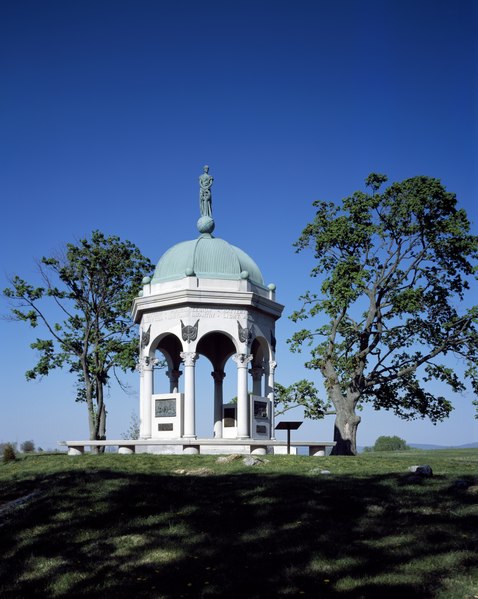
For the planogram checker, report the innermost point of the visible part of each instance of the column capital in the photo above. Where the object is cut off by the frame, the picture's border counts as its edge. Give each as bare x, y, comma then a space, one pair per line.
256, 372
272, 366
174, 374
242, 360
218, 375
189, 357
146, 363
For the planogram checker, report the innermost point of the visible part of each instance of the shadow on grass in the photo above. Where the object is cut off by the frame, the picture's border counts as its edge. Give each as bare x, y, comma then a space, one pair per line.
100, 533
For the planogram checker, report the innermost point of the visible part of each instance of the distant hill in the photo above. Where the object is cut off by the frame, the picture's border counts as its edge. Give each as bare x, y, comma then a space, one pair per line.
428, 446
425, 446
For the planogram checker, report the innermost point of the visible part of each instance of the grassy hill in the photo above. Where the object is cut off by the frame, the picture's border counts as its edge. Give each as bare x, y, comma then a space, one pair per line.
189, 526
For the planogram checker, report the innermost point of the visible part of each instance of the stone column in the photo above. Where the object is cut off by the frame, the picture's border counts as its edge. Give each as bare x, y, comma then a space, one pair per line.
145, 368
270, 394
243, 423
189, 359
173, 376
256, 373
218, 376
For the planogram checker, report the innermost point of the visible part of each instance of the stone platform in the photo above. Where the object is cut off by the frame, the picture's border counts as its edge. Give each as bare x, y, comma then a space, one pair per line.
196, 446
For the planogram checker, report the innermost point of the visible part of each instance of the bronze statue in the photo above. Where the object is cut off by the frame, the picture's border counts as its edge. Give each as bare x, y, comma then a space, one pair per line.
205, 196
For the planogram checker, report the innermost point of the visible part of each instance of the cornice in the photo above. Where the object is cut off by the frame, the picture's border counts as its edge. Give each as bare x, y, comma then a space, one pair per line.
205, 298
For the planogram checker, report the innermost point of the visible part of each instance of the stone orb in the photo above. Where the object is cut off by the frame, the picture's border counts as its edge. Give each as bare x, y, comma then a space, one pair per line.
206, 225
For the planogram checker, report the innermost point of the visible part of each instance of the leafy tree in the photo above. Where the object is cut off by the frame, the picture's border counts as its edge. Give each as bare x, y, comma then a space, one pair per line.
27, 447
91, 285
395, 268
390, 444
301, 394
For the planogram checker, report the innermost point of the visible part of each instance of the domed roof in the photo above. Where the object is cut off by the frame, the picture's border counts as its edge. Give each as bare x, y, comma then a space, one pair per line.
206, 257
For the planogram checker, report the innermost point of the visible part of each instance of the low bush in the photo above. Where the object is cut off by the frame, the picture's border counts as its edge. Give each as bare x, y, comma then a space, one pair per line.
27, 447
9, 454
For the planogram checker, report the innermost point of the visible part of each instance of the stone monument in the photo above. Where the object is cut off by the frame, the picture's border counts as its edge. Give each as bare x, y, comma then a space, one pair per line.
207, 298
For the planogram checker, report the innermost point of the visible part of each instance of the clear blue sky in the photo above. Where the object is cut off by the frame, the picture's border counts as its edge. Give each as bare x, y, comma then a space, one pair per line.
109, 109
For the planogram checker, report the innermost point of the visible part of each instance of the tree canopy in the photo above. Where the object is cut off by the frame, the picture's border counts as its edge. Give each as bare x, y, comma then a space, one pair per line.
394, 269
302, 394
393, 443
83, 305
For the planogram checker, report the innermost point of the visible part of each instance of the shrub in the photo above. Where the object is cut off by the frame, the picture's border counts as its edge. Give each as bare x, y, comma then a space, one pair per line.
27, 447
390, 444
9, 454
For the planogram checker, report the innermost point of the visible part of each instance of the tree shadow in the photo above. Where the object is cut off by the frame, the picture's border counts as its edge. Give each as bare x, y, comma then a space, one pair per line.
251, 535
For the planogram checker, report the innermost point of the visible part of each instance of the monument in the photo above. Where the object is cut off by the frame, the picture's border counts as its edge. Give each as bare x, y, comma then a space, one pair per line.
207, 298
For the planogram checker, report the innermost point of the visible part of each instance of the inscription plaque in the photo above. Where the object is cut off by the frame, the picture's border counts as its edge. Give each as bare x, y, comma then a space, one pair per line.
261, 429
260, 409
165, 408
166, 426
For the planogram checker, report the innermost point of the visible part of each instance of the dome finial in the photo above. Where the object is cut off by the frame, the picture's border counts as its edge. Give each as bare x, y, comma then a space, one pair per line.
205, 223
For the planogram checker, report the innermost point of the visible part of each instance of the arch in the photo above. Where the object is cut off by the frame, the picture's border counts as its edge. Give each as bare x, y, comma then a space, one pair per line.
260, 350
170, 346
218, 347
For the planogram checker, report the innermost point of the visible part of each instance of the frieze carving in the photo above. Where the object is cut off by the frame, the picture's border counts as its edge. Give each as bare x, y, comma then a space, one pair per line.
245, 334
189, 332
184, 313
145, 337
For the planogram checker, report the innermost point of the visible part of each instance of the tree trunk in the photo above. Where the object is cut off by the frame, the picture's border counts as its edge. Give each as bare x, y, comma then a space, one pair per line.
345, 428
92, 420
100, 414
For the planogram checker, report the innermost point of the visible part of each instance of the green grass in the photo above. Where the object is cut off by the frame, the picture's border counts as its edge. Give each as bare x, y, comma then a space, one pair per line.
188, 526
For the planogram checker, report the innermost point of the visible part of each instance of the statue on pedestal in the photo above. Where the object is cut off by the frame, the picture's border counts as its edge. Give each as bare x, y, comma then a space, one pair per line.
205, 196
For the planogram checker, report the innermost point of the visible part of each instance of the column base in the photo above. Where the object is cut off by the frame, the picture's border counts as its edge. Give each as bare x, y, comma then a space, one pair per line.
259, 450
76, 450
126, 449
191, 449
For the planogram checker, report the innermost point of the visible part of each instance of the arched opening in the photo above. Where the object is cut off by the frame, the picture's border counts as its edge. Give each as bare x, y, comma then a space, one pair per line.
216, 381
259, 366
167, 348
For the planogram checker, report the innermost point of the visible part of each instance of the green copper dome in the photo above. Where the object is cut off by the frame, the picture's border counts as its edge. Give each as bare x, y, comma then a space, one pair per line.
206, 257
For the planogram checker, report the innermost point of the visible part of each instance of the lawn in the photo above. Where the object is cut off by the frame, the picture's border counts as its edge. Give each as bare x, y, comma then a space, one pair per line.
189, 526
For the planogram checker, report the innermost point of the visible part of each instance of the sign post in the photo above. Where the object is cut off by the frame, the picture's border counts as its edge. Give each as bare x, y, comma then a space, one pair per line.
288, 426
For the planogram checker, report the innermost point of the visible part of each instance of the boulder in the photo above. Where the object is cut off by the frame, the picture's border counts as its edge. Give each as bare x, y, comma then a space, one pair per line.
225, 459
424, 470
254, 461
